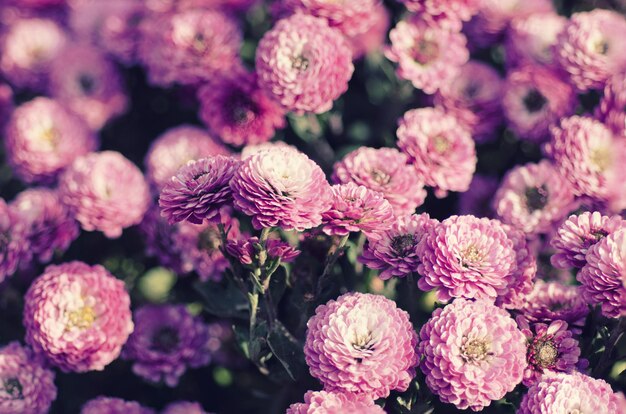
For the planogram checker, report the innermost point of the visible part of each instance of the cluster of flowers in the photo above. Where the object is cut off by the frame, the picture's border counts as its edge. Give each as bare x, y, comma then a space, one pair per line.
505, 320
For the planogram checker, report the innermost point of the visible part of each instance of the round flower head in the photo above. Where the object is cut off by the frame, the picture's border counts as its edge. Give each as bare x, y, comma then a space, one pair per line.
28, 46
472, 353
324, 402
188, 47
49, 225
477, 199
304, 64
26, 386
395, 251
362, 344
250, 150
569, 393
174, 148
604, 276
105, 192
531, 39
82, 78
611, 108
384, 170
576, 235
534, 99
455, 9
356, 208
183, 407
199, 190
166, 341
158, 237
523, 275
77, 316
43, 137
590, 47
466, 257
238, 111
533, 197
440, 149
281, 187
428, 54
551, 348
14, 246
110, 405
372, 39
474, 97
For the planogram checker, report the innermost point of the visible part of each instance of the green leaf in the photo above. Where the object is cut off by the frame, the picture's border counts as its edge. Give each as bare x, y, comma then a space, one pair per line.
223, 299
288, 350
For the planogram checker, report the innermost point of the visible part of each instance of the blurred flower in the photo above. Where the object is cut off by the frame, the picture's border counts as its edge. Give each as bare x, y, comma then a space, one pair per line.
372, 39
168, 6
158, 237
6, 104
477, 199
530, 40
245, 252
110, 405
611, 107
183, 407
14, 246
454, 9
522, 277
334, 402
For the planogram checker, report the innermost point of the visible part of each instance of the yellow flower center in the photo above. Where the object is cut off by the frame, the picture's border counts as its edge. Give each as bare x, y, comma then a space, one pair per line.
82, 318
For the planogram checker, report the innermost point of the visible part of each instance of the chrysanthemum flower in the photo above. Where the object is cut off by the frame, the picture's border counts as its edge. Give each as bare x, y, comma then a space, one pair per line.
199, 190
603, 276
428, 54
610, 110
372, 39
166, 341
384, 170
6, 104
472, 353
439, 148
590, 47
395, 251
14, 246
250, 150
323, 402
158, 237
169, 6
456, 9
362, 344
238, 111
110, 405
304, 64
477, 200
534, 99
77, 316
522, 277
183, 407
43, 137
534, 197
244, 250
576, 235
530, 40
26, 386
105, 192
569, 393
281, 187
174, 148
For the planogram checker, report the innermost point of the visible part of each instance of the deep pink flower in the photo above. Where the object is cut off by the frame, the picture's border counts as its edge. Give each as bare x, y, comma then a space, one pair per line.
323, 402
611, 108
245, 252
531, 39
110, 405
521, 279
183, 407
14, 247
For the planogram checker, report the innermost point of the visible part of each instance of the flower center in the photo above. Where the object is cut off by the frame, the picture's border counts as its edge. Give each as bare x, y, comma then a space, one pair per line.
241, 109
441, 144
601, 47
82, 318
49, 135
534, 101
165, 340
545, 353
364, 344
601, 158
86, 83
380, 177
404, 244
199, 43
425, 51
470, 256
300, 63
536, 197
475, 350
13, 388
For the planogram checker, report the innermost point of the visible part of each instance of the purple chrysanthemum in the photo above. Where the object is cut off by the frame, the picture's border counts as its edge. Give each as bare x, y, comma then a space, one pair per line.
304, 64
466, 257
477, 199
611, 107
522, 277
245, 252
361, 343
324, 402
26, 386
459, 9
356, 208
77, 316
110, 405
395, 251
199, 190
386, 171
440, 149
281, 187
14, 246
472, 353
43, 137
158, 237
531, 39
183, 407
166, 341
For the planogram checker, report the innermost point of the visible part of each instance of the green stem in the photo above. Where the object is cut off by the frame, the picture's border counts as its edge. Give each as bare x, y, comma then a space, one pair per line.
331, 259
605, 361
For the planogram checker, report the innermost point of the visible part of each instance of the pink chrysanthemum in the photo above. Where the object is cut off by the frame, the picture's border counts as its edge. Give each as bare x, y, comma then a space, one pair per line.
576, 235
604, 276
374, 37
166, 341
250, 150
474, 97
395, 251
188, 47
27, 387
87, 82
455, 9
531, 39
533, 197
28, 47
477, 200
323, 402
521, 279
110, 405
362, 344
14, 247
105, 192
472, 353
440, 149
168, 6
356, 208
428, 54
174, 148
49, 225
281, 187
238, 111
199, 190
466, 257
43, 138
534, 99
183, 407
386, 171
590, 47
304, 64
77, 316
569, 393
611, 108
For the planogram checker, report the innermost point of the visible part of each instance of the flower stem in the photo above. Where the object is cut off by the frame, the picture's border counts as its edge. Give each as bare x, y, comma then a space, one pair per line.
605, 361
331, 259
